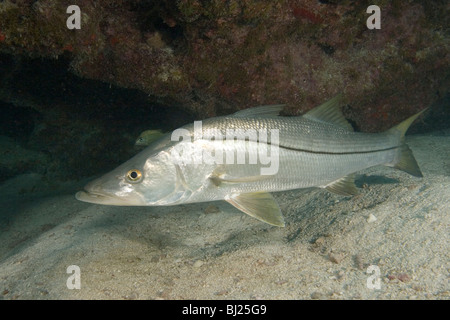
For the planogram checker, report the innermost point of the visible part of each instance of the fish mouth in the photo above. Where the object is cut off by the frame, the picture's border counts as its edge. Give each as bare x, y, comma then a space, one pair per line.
106, 199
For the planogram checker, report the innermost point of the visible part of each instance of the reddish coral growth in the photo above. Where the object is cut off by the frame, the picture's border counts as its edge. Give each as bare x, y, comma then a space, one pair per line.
403, 277
114, 40
2, 37
303, 12
90, 40
68, 47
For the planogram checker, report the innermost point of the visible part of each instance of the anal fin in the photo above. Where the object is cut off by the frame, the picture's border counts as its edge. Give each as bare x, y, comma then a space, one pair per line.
344, 186
259, 205
406, 162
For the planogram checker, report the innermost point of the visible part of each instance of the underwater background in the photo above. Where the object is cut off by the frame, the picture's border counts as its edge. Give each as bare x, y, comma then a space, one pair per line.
74, 101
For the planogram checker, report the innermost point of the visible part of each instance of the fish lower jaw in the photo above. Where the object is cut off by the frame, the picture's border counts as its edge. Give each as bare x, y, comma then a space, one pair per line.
98, 198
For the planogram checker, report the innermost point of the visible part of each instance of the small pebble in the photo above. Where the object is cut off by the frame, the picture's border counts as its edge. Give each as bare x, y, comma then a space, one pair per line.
403, 277
336, 257
371, 218
198, 263
222, 292
131, 296
211, 209
43, 292
319, 241
281, 282
359, 262
316, 295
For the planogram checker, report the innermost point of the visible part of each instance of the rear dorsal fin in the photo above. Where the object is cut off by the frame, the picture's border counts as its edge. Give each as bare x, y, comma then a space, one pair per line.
272, 110
403, 126
330, 112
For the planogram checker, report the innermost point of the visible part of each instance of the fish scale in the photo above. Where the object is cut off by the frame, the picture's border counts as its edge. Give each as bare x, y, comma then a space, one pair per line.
296, 170
308, 135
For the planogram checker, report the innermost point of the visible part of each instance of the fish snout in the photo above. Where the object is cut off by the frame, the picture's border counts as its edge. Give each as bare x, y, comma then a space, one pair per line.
94, 192
98, 192
94, 186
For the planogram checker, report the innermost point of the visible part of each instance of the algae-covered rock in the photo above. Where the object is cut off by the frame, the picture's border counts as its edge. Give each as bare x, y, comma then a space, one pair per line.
15, 159
214, 57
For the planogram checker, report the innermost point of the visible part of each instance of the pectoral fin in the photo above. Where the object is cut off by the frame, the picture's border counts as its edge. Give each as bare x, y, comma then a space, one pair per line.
218, 177
260, 205
218, 180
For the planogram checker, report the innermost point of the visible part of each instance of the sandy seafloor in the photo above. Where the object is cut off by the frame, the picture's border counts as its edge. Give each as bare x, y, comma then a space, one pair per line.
213, 251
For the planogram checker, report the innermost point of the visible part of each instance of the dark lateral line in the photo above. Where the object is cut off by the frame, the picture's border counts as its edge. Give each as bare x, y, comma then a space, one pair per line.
324, 152
338, 153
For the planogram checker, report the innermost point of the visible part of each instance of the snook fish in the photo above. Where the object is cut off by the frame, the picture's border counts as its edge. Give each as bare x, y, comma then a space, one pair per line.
317, 149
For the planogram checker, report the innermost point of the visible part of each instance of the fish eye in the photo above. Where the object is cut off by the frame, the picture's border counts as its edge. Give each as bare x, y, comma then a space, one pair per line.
134, 175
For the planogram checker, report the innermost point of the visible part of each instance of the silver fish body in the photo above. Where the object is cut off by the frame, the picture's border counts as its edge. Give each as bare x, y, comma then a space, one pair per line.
318, 149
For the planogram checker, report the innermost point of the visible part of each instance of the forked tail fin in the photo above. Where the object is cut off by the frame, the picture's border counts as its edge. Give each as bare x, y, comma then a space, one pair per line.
405, 159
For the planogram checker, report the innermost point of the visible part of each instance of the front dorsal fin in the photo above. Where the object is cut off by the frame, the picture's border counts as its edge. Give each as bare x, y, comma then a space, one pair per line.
344, 186
330, 112
259, 205
272, 110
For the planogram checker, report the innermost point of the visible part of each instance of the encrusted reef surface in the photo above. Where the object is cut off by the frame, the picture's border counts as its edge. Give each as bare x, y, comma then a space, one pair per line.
136, 65
213, 57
